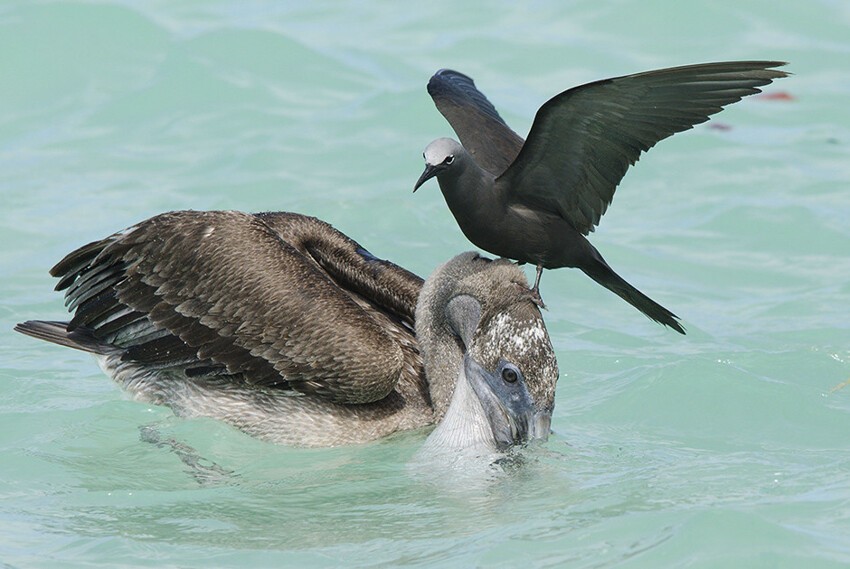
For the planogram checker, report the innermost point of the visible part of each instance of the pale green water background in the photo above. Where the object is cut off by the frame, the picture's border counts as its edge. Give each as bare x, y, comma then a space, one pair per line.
725, 448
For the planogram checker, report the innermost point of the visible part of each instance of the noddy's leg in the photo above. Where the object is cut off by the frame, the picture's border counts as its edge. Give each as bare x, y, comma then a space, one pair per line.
535, 291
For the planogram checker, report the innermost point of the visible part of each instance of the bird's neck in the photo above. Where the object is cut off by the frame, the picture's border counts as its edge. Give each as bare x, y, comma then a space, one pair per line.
472, 198
466, 184
460, 418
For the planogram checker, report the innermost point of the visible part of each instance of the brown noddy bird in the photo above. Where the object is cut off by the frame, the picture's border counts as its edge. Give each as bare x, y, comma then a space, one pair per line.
535, 200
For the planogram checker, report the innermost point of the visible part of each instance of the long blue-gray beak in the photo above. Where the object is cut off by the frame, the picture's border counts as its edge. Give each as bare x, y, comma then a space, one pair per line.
510, 409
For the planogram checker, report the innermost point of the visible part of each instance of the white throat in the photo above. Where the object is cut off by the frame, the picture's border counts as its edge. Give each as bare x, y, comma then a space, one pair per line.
465, 426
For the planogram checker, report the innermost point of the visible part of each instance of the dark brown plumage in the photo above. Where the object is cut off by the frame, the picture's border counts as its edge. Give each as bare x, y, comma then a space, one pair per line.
535, 200
284, 327
140, 290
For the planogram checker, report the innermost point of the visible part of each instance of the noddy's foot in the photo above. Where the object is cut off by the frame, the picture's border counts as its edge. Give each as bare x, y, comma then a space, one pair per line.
537, 299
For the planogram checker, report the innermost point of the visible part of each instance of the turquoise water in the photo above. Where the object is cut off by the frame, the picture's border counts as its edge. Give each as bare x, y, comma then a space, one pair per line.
725, 448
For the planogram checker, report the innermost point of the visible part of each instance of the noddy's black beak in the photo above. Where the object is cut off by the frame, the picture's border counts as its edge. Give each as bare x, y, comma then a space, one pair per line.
509, 406
430, 172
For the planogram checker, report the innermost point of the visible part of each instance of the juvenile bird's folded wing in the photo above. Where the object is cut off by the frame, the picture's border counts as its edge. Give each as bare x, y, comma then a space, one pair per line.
281, 300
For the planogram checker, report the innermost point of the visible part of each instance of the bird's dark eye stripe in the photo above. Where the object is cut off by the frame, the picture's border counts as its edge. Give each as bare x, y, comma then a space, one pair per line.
510, 375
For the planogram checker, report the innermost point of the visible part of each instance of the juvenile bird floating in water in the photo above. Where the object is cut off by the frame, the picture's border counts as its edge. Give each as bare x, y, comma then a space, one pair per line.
535, 200
289, 330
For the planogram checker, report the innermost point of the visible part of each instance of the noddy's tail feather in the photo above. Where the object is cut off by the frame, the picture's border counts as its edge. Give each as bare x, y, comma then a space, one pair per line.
605, 275
57, 333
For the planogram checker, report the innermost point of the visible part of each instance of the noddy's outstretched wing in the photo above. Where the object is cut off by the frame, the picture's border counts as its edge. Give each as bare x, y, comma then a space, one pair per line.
281, 300
475, 121
583, 140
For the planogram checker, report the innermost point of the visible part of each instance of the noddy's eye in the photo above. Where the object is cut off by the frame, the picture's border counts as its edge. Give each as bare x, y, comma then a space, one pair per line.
510, 375
449, 159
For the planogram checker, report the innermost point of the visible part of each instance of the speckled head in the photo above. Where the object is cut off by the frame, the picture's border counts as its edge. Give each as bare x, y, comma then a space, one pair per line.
497, 330
511, 330
516, 334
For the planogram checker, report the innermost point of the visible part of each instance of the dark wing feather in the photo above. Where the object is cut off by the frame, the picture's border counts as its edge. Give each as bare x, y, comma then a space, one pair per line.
475, 120
582, 141
281, 300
